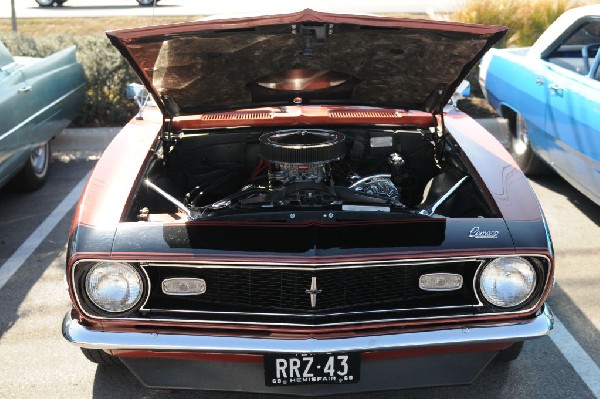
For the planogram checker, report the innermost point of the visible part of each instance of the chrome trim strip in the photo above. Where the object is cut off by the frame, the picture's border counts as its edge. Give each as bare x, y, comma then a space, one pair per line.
147, 284
301, 325
311, 266
319, 266
41, 111
81, 336
309, 315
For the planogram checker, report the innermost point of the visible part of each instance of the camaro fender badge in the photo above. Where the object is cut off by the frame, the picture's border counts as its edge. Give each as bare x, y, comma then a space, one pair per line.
476, 233
313, 292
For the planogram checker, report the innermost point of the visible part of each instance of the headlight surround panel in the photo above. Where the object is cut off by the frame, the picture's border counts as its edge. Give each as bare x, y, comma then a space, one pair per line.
85, 271
540, 267
540, 263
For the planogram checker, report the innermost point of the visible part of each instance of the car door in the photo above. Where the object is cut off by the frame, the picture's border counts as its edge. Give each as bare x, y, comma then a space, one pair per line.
525, 90
14, 126
573, 117
573, 123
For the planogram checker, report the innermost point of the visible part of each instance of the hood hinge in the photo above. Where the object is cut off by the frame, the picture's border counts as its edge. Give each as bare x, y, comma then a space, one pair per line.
438, 129
166, 133
432, 102
171, 106
438, 132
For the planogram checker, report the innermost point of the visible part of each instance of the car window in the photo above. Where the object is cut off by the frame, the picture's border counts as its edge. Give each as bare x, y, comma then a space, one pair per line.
588, 33
571, 53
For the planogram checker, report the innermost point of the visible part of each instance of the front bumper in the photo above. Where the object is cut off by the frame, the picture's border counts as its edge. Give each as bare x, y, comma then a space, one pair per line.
443, 368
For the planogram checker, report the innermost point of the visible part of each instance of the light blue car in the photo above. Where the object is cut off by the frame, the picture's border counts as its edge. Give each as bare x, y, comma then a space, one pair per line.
550, 94
38, 98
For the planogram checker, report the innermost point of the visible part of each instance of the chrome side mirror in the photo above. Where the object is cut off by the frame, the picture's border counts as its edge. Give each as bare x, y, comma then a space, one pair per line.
139, 94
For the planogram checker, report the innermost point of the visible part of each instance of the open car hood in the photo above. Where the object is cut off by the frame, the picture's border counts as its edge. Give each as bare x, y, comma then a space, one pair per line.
306, 57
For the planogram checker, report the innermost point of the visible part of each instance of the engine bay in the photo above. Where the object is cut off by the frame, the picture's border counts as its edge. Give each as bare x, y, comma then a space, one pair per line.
305, 174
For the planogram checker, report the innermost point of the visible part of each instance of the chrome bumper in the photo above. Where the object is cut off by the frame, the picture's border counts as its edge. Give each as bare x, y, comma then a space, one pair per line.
81, 336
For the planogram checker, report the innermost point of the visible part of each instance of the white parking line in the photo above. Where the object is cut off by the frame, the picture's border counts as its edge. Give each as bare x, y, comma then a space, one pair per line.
19, 257
582, 362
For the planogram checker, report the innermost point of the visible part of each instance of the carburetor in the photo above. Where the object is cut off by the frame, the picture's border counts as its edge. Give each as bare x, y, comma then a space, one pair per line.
301, 155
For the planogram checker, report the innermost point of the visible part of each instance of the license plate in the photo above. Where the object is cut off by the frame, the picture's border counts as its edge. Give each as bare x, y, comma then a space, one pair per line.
321, 368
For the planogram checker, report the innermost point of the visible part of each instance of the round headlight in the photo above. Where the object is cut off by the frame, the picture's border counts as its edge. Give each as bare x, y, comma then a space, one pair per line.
114, 287
507, 282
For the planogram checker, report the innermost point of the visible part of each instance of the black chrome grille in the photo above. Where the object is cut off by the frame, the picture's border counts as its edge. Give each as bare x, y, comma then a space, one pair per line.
284, 291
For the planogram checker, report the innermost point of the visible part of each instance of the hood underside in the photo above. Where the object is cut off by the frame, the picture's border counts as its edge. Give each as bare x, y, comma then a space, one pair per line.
306, 57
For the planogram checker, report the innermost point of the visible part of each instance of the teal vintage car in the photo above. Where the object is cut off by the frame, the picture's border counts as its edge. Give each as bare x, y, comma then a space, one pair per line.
38, 98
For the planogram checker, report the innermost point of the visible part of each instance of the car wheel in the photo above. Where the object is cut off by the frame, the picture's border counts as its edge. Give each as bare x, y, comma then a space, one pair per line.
35, 172
520, 148
100, 357
145, 2
45, 3
511, 353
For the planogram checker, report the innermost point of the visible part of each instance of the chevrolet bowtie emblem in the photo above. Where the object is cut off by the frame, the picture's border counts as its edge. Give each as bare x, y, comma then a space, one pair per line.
313, 292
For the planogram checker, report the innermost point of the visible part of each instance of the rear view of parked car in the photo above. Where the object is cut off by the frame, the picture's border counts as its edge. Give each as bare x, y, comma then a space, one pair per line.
550, 94
38, 98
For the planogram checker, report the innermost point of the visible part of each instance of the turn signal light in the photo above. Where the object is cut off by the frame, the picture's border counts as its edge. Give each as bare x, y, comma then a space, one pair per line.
183, 286
440, 282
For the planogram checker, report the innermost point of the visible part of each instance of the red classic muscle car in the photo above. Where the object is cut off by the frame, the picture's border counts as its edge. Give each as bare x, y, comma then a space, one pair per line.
300, 215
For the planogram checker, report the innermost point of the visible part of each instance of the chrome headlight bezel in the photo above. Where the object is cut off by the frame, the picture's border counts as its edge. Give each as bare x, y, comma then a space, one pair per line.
519, 265
96, 306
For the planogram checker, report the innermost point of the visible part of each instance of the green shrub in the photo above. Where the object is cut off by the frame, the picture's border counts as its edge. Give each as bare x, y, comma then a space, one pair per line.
526, 19
106, 71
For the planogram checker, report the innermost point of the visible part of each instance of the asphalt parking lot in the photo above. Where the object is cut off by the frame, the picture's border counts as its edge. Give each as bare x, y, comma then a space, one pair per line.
36, 362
